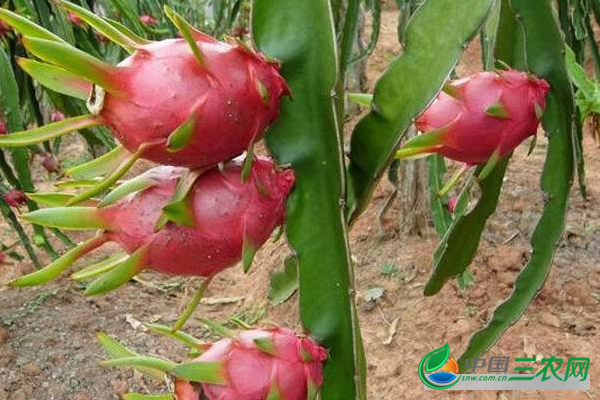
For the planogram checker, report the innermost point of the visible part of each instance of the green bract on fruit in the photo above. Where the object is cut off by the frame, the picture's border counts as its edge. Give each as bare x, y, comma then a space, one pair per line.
221, 219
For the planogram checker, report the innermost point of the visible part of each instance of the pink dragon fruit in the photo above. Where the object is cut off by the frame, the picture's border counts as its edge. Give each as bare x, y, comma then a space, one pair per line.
4, 29
15, 198
50, 163
261, 365
3, 127
192, 102
452, 201
224, 220
75, 19
480, 118
148, 20
57, 116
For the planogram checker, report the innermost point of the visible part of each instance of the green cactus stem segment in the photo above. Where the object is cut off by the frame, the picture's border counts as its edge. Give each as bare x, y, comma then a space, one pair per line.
59, 265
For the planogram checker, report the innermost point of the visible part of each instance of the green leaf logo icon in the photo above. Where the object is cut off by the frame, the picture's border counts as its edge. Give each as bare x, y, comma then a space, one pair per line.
437, 358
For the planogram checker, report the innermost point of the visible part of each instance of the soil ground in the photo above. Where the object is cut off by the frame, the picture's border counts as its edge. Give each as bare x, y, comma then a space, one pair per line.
48, 348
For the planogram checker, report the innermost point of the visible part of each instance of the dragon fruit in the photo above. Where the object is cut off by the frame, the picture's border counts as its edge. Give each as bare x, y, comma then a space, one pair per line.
480, 118
192, 102
15, 198
3, 127
50, 163
222, 220
75, 19
4, 29
57, 116
256, 364
148, 20
261, 365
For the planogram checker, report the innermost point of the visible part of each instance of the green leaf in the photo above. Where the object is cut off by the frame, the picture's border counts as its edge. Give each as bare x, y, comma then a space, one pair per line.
435, 38
544, 44
311, 123
438, 358
283, 284
56, 78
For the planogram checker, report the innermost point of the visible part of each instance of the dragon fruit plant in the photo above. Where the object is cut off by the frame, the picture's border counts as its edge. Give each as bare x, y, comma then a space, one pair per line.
480, 119
191, 102
256, 364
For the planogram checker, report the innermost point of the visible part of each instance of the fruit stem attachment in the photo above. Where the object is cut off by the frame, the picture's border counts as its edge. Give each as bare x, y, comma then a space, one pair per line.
454, 180
192, 306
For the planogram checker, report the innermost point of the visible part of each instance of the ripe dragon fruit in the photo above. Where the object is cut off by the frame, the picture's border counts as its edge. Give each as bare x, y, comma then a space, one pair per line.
57, 116
3, 127
481, 118
15, 198
192, 102
222, 220
75, 19
257, 364
148, 20
50, 163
